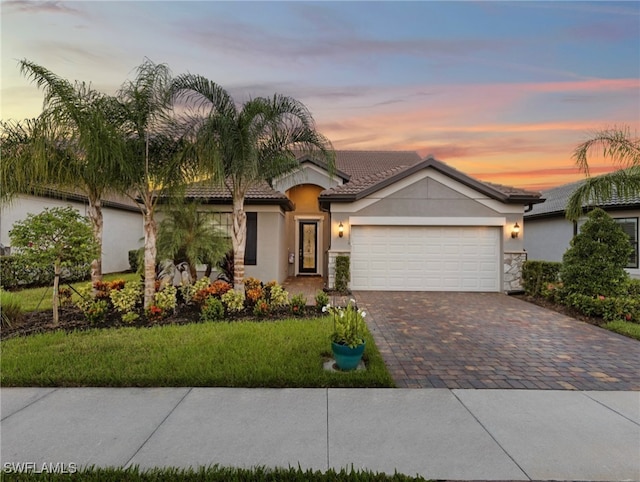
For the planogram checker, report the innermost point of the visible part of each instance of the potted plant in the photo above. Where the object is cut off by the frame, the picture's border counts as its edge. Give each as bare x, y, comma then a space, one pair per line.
347, 339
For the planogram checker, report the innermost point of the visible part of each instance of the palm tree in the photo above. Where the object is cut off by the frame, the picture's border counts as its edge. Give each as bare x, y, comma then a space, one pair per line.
71, 145
186, 236
155, 162
624, 151
243, 147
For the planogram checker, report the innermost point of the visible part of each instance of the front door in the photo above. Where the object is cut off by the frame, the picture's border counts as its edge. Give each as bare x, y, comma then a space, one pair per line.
308, 252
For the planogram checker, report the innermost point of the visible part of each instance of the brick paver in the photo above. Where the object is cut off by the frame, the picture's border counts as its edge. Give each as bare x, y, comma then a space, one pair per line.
491, 340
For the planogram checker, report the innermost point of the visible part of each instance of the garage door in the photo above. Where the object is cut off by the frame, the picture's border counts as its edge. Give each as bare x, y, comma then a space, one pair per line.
425, 258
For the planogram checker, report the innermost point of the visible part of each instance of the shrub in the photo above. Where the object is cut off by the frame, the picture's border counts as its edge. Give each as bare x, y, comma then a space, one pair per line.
262, 308
298, 304
165, 299
216, 289
103, 288
233, 300
126, 300
252, 283
189, 291
154, 313
609, 308
11, 309
553, 292
342, 274
212, 310
253, 295
322, 300
15, 272
278, 297
65, 296
96, 311
538, 275
633, 289
594, 263
135, 255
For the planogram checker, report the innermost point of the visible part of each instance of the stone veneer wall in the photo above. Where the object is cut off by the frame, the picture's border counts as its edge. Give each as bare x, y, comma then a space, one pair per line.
331, 278
513, 262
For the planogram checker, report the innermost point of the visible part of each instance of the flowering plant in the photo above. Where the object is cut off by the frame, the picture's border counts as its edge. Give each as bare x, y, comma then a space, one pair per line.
348, 324
154, 313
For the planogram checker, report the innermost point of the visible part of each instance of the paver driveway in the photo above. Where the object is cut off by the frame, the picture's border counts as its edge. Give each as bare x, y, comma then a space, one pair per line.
491, 340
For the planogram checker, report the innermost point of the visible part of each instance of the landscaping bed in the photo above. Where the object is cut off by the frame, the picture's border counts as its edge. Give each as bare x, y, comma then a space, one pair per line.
73, 319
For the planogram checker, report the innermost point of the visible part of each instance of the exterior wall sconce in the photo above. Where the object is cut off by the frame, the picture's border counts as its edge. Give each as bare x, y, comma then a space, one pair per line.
516, 231
340, 230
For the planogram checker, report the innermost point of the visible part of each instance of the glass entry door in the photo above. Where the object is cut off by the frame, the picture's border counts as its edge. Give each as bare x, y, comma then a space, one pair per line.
308, 250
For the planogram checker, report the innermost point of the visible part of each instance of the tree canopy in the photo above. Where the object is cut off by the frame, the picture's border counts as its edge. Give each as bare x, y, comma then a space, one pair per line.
618, 146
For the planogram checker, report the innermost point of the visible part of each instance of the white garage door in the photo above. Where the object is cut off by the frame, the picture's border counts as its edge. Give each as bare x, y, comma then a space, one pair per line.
425, 258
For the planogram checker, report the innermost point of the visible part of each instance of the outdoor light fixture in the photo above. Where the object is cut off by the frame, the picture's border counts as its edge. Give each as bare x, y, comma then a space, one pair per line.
340, 230
516, 231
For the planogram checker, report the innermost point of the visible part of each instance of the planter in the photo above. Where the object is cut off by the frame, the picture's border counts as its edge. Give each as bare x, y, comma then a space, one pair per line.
347, 358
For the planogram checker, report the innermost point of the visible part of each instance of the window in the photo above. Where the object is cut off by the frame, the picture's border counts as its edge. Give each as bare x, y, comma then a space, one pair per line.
224, 222
630, 227
251, 248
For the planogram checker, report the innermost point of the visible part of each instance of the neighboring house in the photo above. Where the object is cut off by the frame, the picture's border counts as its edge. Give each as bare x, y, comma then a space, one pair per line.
406, 223
549, 232
123, 229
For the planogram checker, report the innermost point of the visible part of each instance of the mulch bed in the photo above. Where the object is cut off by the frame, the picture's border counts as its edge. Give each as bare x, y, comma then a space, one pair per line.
72, 319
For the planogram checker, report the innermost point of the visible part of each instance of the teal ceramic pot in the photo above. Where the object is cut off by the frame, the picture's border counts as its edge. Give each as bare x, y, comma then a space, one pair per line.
347, 358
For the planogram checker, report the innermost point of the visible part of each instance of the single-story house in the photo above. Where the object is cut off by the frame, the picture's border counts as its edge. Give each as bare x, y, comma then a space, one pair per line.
549, 232
406, 223
123, 229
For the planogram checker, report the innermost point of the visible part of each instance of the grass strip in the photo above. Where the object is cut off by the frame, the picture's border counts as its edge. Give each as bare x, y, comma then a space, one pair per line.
627, 328
216, 473
286, 353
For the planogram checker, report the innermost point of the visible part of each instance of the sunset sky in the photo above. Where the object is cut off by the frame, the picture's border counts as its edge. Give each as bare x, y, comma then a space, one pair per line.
500, 90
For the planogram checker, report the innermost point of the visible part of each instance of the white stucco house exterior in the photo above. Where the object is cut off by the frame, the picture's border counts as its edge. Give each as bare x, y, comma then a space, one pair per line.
406, 223
123, 230
549, 232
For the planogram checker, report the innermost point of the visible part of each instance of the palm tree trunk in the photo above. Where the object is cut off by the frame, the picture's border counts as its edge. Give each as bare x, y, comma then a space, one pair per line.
150, 233
97, 222
239, 240
56, 292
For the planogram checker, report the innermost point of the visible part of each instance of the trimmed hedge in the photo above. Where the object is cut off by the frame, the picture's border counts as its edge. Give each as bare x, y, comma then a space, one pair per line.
536, 275
15, 273
610, 308
342, 273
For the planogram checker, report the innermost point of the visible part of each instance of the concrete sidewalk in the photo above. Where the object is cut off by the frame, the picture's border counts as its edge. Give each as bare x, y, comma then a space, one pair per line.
436, 433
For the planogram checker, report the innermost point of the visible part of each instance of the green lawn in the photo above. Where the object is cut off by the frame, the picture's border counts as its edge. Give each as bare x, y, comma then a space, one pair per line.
32, 299
632, 330
286, 353
218, 474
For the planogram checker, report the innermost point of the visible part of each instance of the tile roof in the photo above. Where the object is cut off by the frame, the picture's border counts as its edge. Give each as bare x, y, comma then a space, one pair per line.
260, 193
363, 186
111, 200
556, 200
365, 172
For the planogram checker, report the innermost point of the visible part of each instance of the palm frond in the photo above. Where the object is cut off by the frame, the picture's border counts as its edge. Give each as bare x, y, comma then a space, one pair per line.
615, 144
624, 184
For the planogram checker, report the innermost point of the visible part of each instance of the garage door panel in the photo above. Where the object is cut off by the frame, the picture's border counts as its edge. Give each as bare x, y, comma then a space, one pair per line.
421, 258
